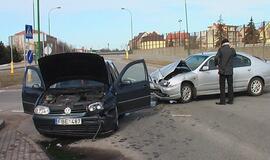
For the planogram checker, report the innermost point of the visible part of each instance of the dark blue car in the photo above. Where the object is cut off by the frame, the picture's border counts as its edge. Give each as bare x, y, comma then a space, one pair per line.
75, 94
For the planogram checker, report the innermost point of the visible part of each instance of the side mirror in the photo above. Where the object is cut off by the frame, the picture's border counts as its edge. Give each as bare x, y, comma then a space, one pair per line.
36, 86
205, 68
126, 82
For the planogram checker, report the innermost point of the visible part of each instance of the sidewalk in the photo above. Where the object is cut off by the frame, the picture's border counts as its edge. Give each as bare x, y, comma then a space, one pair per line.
14, 145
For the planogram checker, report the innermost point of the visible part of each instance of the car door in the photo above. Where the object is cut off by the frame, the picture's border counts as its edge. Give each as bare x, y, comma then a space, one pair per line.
208, 80
32, 88
132, 88
242, 72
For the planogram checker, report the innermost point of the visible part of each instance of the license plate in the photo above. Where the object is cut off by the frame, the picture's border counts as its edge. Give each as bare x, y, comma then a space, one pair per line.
68, 121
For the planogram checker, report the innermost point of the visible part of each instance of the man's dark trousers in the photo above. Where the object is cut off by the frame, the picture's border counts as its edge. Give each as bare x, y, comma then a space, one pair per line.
229, 79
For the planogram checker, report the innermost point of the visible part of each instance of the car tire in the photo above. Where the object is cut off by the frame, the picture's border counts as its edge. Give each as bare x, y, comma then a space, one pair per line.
48, 135
121, 116
255, 87
186, 93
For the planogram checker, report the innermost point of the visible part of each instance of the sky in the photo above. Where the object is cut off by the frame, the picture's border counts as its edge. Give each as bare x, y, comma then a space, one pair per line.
97, 23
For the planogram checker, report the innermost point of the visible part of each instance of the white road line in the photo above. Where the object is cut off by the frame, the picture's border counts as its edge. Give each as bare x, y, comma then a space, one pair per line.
17, 111
10, 90
181, 115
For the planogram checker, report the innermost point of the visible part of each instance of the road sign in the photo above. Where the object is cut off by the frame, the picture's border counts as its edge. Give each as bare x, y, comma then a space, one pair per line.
47, 50
28, 32
29, 56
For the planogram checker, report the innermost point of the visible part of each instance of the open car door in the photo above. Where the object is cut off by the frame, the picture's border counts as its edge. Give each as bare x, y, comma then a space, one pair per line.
32, 88
132, 88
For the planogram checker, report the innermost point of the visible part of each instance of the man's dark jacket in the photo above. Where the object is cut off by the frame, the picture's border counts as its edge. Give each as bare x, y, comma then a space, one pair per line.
224, 59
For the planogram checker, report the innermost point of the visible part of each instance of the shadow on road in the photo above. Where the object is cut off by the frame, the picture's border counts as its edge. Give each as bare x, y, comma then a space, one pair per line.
59, 149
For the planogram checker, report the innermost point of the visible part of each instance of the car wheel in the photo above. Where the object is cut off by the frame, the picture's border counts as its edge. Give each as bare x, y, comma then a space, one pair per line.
186, 93
255, 87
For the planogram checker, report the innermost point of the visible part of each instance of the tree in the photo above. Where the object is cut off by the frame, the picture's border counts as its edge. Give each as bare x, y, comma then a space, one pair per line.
17, 57
220, 33
252, 35
5, 54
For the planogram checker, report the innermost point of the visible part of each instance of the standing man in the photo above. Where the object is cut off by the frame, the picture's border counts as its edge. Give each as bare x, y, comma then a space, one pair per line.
224, 61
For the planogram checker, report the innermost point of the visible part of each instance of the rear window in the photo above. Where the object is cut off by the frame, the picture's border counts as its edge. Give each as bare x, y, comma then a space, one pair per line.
264, 60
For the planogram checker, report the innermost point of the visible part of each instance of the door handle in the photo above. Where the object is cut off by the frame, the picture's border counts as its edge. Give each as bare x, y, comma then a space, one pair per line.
249, 69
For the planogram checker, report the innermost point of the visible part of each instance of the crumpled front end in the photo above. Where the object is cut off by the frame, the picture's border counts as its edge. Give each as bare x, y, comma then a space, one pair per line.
169, 87
167, 92
164, 89
83, 113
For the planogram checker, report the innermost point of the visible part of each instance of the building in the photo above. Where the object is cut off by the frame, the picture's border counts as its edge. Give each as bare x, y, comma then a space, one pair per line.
265, 33
21, 43
152, 40
231, 33
176, 39
138, 40
146, 40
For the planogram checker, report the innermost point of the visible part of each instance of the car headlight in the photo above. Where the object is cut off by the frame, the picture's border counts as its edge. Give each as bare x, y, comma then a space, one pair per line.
42, 110
95, 106
164, 83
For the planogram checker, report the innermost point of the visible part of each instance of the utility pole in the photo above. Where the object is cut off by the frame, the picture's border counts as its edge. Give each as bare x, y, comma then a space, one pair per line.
34, 29
38, 19
187, 27
180, 21
131, 28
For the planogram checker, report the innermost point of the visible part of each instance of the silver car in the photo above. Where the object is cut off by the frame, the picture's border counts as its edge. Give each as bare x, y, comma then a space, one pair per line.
198, 75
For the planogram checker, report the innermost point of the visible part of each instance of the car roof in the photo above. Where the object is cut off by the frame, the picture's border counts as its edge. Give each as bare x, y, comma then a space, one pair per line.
214, 53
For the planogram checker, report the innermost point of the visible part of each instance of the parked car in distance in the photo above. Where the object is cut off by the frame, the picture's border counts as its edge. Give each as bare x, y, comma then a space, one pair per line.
75, 94
198, 75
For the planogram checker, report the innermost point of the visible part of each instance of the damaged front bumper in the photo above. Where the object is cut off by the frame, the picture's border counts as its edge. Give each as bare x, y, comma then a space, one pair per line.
166, 93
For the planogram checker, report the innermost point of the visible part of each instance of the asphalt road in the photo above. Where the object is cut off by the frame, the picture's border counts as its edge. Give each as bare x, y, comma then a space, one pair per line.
197, 130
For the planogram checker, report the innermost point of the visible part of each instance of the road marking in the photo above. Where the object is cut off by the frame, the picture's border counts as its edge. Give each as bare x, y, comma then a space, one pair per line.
181, 115
17, 111
10, 90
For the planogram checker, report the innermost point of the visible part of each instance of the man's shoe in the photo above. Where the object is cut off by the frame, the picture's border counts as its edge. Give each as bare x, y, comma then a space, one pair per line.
220, 103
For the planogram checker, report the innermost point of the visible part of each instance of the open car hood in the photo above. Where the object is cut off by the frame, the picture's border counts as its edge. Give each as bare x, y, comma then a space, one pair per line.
166, 70
71, 66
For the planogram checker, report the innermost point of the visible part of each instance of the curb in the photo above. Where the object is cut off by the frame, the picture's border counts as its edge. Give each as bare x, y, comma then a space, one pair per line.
2, 124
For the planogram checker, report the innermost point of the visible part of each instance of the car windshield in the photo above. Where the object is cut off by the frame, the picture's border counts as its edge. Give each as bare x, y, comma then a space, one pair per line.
193, 62
77, 84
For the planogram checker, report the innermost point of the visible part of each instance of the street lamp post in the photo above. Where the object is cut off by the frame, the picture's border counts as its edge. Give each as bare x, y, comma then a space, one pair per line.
131, 27
180, 21
49, 18
49, 24
187, 27
38, 21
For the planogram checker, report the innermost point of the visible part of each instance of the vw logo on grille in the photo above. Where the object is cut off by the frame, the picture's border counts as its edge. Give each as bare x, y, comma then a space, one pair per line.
67, 110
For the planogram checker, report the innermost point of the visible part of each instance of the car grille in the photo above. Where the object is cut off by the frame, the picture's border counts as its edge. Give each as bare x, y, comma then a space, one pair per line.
74, 109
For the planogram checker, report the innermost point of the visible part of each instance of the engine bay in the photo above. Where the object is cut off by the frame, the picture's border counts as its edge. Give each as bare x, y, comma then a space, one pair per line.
54, 98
